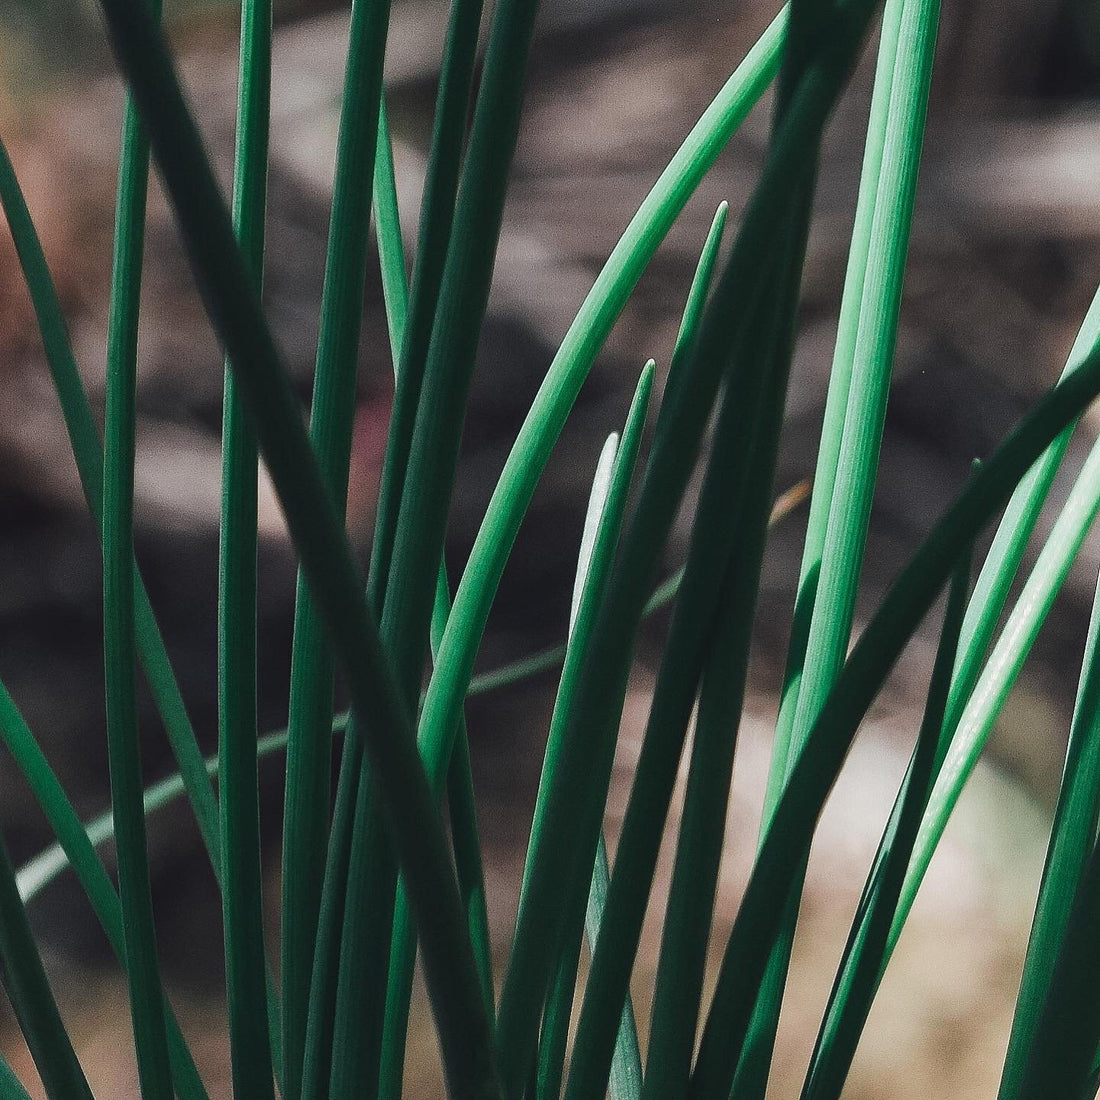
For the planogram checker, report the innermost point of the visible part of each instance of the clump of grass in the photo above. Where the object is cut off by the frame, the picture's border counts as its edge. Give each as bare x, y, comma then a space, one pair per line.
364, 886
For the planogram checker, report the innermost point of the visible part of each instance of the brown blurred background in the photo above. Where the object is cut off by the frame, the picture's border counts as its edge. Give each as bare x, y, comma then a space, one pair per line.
1005, 257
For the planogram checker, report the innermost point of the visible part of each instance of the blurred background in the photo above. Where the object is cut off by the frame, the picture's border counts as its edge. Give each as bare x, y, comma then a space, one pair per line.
1004, 260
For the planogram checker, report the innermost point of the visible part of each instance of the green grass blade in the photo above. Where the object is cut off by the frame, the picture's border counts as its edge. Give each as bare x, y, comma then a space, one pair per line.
724, 557
1060, 1058
242, 894
1001, 670
29, 991
556, 1020
119, 649
308, 787
625, 1081
1071, 841
550, 408
437, 212
387, 224
322, 545
599, 540
907, 601
862, 363
88, 452
464, 830
422, 517
590, 742
858, 976
559, 1007
78, 850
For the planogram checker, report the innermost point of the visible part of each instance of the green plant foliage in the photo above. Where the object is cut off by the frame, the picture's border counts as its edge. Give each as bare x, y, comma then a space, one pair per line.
375, 877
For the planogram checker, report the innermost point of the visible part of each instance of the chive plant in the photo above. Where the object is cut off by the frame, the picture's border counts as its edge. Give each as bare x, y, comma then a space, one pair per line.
371, 874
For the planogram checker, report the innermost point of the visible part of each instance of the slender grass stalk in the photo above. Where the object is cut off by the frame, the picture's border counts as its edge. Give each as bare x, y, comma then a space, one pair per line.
88, 452
467, 848
124, 749
29, 991
421, 522
44, 868
676, 447
242, 895
848, 460
1000, 672
1071, 839
308, 787
556, 1022
982, 614
724, 558
572, 362
78, 849
858, 977
598, 547
238, 318
625, 1080
409, 356
874, 654
437, 211
1060, 1057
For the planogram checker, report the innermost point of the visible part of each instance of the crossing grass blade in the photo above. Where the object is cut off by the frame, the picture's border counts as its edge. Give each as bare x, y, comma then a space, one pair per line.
907, 601
28, 989
119, 649
572, 362
1001, 670
854, 418
858, 977
321, 543
556, 1021
309, 752
87, 450
599, 541
1071, 840
1060, 1057
242, 895
41, 870
79, 851
676, 447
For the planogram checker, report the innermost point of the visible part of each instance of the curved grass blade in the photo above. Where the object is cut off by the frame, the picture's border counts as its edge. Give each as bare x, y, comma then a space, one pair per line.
88, 453
874, 654
119, 649
724, 557
854, 418
599, 540
242, 895
556, 1022
1060, 1057
43, 869
437, 210
1001, 670
464, 830
1071, 840
676, 448
78, 849
322, 545
550, 408
858, 977
29, 991
309, 753
422, 517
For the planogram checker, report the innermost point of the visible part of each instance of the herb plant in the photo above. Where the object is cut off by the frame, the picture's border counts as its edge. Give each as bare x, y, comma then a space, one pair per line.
369, 871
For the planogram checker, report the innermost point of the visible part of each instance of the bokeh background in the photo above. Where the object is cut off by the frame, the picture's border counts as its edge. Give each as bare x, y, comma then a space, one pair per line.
1004, 260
